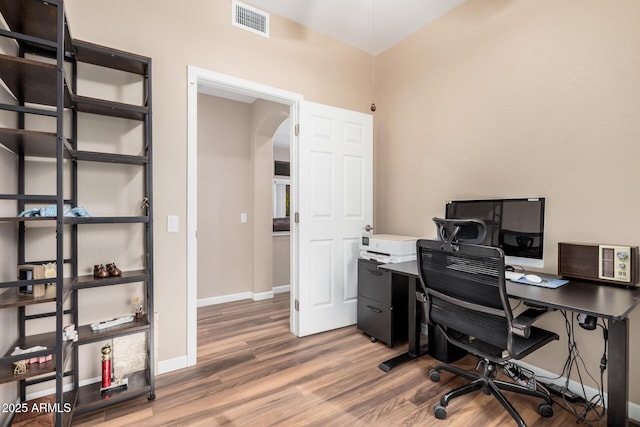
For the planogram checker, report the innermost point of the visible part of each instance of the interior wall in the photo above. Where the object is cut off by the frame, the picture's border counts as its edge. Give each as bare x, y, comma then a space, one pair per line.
506, 98
294, 58
266, 118
235, 170
281, 241
225, 190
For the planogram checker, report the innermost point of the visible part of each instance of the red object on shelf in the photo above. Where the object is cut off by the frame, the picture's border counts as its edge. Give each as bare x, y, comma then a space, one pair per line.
106, 366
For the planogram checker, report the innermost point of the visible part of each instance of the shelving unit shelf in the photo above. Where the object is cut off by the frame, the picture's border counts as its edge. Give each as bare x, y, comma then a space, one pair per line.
40, 79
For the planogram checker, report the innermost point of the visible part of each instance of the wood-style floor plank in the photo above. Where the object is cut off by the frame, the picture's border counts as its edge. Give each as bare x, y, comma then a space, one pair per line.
252, 371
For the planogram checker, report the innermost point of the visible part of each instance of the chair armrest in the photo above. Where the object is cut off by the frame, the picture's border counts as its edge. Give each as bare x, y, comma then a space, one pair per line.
522, 323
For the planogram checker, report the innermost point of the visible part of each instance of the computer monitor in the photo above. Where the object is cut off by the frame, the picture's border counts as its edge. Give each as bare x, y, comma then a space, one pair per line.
515, 225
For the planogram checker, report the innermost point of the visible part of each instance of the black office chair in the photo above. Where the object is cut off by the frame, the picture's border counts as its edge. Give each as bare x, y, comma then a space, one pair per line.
465, 298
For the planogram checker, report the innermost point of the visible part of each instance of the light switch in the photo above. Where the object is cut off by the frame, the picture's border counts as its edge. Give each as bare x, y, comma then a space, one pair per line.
173, 224
243, 217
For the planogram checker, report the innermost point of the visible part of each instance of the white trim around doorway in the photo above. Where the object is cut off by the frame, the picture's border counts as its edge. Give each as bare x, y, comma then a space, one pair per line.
197, 79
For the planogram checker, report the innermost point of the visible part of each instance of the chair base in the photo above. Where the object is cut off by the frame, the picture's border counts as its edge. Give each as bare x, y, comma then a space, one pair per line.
488, 383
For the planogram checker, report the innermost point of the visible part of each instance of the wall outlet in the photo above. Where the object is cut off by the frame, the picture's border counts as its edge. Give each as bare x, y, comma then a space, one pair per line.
243, 217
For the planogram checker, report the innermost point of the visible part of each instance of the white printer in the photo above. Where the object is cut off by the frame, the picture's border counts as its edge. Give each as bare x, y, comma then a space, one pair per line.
388, 248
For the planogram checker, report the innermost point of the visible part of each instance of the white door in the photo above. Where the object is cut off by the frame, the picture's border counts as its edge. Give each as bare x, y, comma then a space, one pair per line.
335, 172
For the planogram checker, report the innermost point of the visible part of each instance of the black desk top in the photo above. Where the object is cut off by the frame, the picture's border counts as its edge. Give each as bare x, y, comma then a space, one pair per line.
606, 301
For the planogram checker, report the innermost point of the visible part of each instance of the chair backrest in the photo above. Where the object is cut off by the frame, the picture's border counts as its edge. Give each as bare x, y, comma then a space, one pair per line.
465, 288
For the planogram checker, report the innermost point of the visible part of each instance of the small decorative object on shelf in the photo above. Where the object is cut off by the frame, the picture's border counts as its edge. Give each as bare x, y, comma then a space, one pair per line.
113, 270
110, 323
50, 271
106, 367
52, 210
31, 272
99, 272
69, 333
107, 384
137, 307
29, 360
19, 367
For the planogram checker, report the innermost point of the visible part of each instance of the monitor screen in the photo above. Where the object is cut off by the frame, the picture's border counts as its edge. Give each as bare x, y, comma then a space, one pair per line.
515, 225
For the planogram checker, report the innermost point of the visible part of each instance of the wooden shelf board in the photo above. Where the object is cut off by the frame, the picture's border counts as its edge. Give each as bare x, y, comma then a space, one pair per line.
11, 298
89, 281
6, 366
29, 142
109, 108
93, 156
31, 198
69, 220
105, 220
33, 370
31, 81
27, 219
103, 56
33, 18
86, 335
43, 144
89, 397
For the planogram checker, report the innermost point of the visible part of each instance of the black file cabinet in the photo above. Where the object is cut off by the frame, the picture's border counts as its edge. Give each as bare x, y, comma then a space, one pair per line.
382, 303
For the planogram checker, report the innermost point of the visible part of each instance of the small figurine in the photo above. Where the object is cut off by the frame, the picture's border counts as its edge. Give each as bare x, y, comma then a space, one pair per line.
19, 367
69, 333
137, 307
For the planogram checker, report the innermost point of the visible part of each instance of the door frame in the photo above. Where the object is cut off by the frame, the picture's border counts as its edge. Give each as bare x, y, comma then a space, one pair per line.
199, 77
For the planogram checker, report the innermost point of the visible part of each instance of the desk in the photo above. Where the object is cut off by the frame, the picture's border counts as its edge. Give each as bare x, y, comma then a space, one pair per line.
605, 301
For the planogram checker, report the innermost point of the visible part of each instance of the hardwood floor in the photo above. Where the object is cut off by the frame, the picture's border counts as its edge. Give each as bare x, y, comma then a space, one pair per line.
252, 372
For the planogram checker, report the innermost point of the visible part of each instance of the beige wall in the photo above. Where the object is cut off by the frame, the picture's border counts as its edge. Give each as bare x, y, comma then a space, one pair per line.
200, 33
235, 170
281, 242
225, 190
517, 99
281, 260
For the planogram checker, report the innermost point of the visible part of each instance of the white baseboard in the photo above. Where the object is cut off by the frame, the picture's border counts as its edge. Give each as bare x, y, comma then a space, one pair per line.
203, 302
174, 364
223, 298
262, 296
281, 289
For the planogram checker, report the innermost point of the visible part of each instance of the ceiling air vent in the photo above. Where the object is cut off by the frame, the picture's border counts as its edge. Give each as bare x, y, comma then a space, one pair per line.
250, 18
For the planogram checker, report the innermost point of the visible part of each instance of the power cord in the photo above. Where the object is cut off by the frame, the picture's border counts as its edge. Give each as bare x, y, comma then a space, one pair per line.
578, 405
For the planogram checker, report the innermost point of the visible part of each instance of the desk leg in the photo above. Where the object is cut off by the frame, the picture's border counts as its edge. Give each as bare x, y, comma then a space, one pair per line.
618, 376
413, 331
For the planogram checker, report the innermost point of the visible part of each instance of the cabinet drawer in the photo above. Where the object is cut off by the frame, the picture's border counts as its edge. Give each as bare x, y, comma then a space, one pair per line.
374, 319
373, 282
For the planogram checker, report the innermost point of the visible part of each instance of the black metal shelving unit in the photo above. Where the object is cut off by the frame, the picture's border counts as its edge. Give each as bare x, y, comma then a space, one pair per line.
38, 77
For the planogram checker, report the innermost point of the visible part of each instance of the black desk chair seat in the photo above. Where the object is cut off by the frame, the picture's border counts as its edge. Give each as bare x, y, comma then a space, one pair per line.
465, 298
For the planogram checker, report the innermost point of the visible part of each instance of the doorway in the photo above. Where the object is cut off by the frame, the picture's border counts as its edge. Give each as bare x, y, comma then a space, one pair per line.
204, 81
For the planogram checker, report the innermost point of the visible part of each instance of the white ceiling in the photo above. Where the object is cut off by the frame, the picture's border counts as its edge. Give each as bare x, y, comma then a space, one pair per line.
370, 25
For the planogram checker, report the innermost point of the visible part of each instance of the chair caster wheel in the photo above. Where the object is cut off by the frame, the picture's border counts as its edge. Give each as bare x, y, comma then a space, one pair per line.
545, 410
440, 412
434, 376
152, 396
